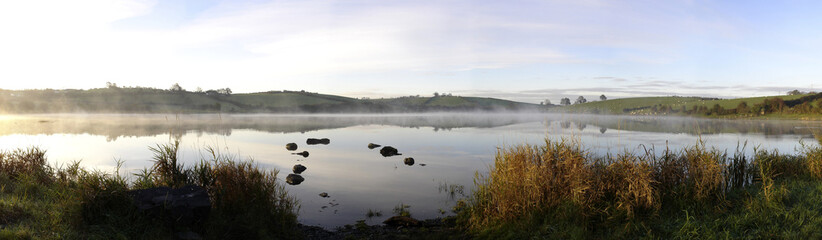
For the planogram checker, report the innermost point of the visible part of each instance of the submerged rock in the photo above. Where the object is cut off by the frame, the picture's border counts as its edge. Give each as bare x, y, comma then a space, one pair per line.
389, 151
314, 141
373, 146
187, 205
291, 146
303, 153
409, 161
324, 194
294, 179
401, 221
299, 168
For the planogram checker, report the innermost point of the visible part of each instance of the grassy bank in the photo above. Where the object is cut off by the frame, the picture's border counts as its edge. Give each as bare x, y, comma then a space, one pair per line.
558, 190
39, 201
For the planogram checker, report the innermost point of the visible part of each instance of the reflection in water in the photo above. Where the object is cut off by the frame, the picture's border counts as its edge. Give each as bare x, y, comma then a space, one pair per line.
359, 179
114, 126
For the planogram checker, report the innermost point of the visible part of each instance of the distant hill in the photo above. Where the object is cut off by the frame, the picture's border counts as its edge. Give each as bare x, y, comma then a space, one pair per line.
149, 100
800, 106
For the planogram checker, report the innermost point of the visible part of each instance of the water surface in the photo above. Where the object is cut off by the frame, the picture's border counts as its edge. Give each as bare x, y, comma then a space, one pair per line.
452, 147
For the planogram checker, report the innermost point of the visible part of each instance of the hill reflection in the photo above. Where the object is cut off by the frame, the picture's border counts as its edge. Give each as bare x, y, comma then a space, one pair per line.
114, 126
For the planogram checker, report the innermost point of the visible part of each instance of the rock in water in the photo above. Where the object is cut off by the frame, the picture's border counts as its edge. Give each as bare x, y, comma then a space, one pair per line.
294, 179
299, 168
409, 161
291, 146
401, 221
303, 153
324, 194
314, 141
373, 146
389, 151
187, 205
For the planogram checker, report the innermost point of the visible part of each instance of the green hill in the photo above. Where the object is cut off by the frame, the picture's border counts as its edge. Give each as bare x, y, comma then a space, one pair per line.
802, 106
148, 100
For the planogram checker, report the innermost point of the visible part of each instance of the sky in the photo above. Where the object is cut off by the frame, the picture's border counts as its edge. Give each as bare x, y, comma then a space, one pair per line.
526, 51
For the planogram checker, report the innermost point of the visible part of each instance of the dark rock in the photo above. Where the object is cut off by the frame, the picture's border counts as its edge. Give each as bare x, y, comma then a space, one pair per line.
303, 153
299, 168
186, 206
422, 164
324, 194
373, 146
409, 161
314, 141
294, 179
389, 151
401, 221
291, 146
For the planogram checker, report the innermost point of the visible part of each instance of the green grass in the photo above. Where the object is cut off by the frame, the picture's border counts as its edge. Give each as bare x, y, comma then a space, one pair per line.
560, 191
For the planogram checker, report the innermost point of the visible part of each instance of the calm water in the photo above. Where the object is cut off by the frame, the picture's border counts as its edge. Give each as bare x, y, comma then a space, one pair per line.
452, 148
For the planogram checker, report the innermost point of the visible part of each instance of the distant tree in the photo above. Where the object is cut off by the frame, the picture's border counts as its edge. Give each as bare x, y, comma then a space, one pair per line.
794, 92
176, 88
547, 102
742, 107
716, 110
581, 99
224, 91
199, 90
602, 97
111, 85
565, 101
436, 94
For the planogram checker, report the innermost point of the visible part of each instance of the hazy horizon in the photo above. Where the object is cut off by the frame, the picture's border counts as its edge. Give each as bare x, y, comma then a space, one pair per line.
524, 51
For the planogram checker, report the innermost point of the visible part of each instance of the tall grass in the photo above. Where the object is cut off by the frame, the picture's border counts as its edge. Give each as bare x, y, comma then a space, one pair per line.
40, 201
560, 183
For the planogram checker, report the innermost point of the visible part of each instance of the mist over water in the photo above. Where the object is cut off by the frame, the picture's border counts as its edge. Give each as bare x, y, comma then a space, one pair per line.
357, 179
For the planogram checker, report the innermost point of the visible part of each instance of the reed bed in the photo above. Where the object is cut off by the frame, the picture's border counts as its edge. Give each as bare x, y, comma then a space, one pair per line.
559, 185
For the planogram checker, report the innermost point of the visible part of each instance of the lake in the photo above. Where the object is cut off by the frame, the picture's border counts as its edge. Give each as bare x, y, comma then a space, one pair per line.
448, 148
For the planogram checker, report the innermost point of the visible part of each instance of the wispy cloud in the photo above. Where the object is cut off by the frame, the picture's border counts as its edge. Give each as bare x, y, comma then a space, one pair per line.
405, 47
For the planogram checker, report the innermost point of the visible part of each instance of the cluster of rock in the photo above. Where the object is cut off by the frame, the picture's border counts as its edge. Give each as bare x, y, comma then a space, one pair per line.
295, 178
389, 151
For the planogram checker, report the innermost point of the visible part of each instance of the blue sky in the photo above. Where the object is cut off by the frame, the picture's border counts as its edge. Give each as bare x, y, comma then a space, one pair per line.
518, 50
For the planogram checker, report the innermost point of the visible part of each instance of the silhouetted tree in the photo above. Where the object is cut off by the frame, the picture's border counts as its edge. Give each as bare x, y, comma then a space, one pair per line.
581, 99
436, 94
602, 97
794, 92
111, 85
547, 102
565, 101
176, 88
